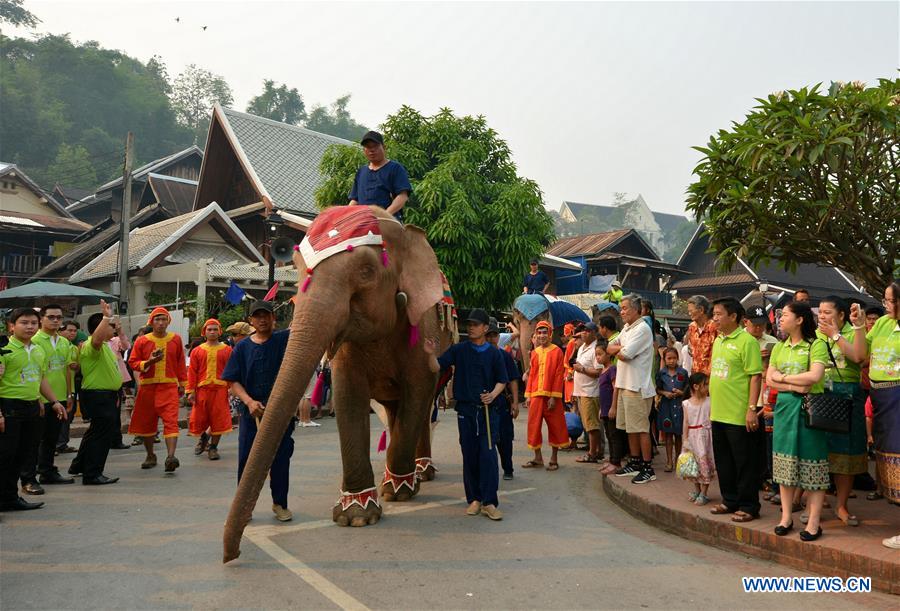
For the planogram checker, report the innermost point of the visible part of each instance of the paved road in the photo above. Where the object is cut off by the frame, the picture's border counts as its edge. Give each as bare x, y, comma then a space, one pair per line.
154, 541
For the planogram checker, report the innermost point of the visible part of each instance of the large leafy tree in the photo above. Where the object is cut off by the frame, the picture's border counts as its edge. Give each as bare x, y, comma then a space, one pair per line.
336, 120
278, 103
483, 220
809, 176
194, 93
55, 93
12, 12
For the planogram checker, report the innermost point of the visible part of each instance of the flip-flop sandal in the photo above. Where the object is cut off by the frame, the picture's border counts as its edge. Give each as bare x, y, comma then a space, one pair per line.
741, 517
874, 496
720, 509
531, 464
552, 466
587, 458
851, 520
668, 468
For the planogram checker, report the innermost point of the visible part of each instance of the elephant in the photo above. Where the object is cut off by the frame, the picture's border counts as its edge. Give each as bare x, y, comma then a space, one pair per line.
371, 289
529, 310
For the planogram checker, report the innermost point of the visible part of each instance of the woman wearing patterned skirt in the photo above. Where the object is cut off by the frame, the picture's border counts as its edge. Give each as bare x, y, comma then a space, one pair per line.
800, 454
846, 451
882, 345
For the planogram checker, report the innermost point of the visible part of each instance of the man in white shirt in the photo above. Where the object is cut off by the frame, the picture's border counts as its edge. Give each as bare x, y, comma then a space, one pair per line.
586, 390
633, 349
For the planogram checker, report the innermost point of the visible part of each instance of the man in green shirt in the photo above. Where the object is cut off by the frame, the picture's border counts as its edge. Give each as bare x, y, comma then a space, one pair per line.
23, 366
59, 355
734, 385
99, 397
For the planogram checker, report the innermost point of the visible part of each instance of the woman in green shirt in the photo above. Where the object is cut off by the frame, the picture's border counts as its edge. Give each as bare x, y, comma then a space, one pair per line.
846, 451
799, 453
882, 345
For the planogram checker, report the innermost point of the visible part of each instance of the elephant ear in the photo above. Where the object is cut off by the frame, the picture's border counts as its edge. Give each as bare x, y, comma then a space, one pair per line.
420, 275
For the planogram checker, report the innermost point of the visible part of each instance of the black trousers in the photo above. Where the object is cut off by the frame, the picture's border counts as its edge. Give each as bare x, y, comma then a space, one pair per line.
40, 461
21, 433
618, 440
117, 431
737, 453
101, 406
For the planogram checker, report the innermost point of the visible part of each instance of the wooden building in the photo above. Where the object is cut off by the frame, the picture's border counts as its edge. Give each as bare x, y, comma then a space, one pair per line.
700, 275
622, 254
34, 227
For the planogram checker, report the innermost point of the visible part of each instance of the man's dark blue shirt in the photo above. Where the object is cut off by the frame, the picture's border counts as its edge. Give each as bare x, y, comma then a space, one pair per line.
478, 370
380, 187
535, 283
255, 366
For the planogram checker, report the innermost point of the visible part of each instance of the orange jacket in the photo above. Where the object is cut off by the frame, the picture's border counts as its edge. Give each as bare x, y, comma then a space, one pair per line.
170, 370
207, 364
545, 379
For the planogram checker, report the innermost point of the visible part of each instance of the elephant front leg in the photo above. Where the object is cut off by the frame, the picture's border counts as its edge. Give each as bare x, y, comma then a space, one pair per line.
400, 481
425, 468
358, 504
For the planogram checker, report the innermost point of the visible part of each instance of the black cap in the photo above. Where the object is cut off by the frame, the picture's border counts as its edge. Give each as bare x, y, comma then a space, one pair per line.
533, 261
262, 305
372, 135
756, 314
479, 315
588, 326
493, 326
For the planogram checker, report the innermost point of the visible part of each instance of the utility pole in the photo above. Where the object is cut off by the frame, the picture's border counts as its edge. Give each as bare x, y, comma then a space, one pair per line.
126, 225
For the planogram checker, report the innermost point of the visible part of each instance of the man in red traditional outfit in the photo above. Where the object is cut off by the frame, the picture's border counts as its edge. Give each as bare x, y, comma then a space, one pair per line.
158, 359
208, 392
544, 393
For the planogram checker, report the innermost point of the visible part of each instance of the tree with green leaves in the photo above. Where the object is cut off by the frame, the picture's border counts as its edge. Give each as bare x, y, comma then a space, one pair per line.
194, 93
336, 120
483, 220
279, 104
809, 176
13, 13
72, 168
54, 92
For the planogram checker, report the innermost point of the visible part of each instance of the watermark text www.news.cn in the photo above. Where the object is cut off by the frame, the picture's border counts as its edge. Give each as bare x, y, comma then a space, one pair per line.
806, 584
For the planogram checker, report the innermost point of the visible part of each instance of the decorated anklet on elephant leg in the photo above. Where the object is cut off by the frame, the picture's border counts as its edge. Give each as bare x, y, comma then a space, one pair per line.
425, 469
357, 508
392, 486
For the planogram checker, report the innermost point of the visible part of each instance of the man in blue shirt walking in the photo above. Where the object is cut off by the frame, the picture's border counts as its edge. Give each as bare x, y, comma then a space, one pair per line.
252, 370
479, 376
382, 182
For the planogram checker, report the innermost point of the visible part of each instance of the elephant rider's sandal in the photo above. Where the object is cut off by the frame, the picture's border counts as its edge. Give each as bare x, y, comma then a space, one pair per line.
532, 464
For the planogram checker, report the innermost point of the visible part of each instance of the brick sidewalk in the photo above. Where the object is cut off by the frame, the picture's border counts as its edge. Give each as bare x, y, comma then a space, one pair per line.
842, 551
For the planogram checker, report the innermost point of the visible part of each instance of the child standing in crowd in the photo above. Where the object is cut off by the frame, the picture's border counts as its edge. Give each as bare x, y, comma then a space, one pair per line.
671, 381
617, 438
697, 434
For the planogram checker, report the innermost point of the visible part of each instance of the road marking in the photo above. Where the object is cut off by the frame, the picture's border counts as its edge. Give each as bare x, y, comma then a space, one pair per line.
261, 537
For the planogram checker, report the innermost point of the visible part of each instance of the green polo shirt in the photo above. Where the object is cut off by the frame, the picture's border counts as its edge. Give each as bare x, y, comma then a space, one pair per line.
884, 350
847, 370
57, 363
791, 360
99, 368
24, 368
735, 359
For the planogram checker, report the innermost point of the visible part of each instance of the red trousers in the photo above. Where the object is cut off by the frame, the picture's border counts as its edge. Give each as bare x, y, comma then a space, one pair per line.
557, 432
210, 411
155, 401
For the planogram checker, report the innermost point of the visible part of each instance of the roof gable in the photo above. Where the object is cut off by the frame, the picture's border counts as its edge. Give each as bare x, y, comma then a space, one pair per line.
157, 166
280, 161
150, 245
175, 195
598, 243
13, 172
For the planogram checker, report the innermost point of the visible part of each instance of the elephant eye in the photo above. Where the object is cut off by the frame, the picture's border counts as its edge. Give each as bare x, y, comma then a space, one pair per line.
367, 273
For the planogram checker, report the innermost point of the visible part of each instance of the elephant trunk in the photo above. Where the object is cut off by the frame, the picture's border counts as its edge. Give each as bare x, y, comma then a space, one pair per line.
314, 328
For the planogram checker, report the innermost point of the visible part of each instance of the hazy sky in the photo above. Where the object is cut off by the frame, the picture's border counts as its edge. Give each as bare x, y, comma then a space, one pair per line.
593, 98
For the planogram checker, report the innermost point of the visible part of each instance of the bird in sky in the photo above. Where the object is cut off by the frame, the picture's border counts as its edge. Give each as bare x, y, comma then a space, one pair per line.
178, 20
204, 28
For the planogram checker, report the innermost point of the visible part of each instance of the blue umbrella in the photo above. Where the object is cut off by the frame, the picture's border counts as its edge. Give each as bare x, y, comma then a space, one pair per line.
562, 312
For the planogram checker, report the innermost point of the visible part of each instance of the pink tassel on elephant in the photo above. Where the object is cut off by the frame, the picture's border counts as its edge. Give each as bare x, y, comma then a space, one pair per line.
413, 335
384, 257
382, 441
306, 282
318, 393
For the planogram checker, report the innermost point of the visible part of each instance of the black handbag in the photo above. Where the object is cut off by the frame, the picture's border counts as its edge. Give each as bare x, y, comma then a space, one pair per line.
828, 411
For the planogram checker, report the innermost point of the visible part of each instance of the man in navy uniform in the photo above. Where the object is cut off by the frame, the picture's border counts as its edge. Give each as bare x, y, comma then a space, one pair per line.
478, 379
381, 182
